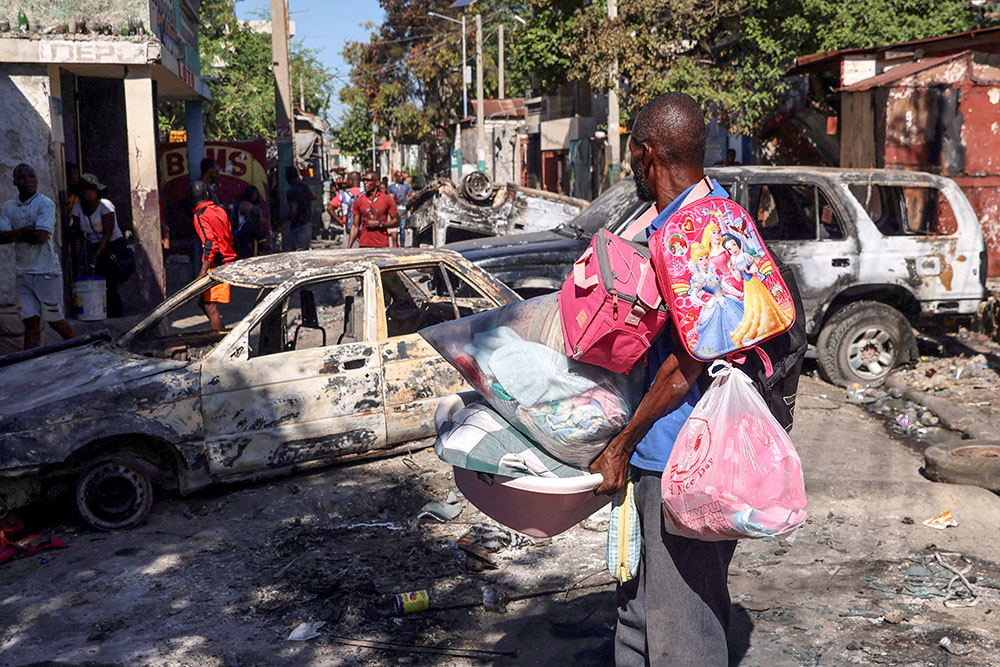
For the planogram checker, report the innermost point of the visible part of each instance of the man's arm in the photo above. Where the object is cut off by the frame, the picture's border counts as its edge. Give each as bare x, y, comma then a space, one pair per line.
673, 381
108, 226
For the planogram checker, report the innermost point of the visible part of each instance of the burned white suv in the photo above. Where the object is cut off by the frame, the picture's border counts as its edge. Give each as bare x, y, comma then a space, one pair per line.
872, 250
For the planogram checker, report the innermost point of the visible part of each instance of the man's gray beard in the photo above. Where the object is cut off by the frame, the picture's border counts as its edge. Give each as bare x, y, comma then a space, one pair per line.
642, 190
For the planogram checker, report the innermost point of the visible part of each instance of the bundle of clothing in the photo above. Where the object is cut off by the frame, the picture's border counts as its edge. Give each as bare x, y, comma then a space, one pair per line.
514, 356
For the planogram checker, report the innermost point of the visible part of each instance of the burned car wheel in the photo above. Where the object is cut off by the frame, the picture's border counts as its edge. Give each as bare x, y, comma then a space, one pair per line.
863, 342
965, 462
114, 493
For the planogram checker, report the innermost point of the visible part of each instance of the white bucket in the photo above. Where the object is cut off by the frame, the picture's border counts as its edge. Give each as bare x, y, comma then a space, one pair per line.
90, 299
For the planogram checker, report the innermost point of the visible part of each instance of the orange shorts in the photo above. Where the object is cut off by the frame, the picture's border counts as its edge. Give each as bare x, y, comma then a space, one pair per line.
216, 294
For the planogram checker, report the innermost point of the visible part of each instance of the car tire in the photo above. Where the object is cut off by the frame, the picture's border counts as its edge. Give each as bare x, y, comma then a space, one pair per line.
115, 492
862, 342
965, 462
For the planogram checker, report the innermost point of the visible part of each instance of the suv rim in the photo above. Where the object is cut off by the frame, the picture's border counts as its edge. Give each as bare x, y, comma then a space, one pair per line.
871, 353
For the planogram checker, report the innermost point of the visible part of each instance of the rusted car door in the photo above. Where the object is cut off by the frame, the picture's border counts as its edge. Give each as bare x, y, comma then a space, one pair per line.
920, 232
416, 377
300, 381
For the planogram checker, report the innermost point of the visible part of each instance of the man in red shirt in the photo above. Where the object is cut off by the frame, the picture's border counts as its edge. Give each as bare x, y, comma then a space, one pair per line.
374, 214
216, 234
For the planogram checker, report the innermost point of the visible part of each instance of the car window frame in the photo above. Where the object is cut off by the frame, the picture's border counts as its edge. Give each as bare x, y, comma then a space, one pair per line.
818, 185
180, 298
235, 345
456, 267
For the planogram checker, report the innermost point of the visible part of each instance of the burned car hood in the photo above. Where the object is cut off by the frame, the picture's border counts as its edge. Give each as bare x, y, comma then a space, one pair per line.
517, 244
100, 371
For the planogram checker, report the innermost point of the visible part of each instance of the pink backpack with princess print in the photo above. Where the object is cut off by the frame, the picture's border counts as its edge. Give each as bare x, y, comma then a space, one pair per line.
719, 279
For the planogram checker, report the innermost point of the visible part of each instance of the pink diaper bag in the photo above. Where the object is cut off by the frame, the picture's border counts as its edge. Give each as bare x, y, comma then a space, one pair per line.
610, 306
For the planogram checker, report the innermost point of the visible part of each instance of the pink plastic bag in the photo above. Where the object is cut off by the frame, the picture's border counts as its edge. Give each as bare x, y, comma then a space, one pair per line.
733, 471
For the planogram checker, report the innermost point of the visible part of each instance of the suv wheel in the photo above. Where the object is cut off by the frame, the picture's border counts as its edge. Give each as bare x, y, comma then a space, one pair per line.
863, 342
115, 492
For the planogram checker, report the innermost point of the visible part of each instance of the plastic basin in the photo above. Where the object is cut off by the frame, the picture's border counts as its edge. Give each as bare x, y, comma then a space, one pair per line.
535, 506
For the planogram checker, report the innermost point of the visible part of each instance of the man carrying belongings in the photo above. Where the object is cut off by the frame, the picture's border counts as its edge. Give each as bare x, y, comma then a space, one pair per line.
676, 610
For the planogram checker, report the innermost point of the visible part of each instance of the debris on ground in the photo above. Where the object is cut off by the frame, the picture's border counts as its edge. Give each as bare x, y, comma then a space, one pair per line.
305, 631
942, 521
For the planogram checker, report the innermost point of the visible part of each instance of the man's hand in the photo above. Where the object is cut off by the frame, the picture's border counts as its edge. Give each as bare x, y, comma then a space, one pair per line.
612, 463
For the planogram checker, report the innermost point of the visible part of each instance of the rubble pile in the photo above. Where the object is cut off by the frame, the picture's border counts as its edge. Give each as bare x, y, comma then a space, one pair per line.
907, 417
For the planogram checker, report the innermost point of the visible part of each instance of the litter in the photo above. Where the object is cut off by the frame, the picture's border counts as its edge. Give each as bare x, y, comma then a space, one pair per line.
958, 600
494, 599
947, 645
445, 510
941, 521
304, 631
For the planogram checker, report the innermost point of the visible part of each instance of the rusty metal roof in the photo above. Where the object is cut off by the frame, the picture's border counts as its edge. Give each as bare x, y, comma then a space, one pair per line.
986, 39
897, 73
272, 270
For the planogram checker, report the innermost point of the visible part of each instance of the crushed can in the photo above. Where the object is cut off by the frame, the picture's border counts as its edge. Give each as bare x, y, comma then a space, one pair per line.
411, 602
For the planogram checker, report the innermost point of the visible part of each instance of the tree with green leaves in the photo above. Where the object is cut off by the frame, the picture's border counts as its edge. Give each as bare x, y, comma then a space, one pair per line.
236, 61
732, 56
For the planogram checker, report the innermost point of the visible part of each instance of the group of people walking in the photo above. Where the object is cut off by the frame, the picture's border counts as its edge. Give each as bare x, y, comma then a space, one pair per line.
372, 212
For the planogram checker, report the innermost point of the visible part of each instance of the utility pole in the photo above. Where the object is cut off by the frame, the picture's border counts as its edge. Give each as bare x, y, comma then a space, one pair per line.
374, 128
480, 120
465, 79
614, 123
302, 93
500, 87
282, 92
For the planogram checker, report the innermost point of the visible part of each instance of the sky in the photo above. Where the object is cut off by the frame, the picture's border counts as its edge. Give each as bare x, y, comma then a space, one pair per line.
323, 25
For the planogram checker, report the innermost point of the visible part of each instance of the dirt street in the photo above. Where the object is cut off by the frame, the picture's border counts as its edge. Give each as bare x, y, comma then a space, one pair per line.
223, 577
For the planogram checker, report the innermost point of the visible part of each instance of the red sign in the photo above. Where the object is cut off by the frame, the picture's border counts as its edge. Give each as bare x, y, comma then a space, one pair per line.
240, 163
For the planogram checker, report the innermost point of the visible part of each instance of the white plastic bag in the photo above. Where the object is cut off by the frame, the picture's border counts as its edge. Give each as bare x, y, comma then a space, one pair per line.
733, 471
515, 358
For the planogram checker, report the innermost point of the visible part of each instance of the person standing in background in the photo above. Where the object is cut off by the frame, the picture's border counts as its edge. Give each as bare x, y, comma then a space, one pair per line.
299, 217
401, 191
374, 214
27, 222
94, 219
216, 235
210, 176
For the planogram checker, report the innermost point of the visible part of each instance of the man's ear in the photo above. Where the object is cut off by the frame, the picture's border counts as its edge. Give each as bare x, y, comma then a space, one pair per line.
647, 162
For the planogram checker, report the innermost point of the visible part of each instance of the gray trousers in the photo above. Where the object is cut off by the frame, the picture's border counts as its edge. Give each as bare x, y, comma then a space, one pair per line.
675, 612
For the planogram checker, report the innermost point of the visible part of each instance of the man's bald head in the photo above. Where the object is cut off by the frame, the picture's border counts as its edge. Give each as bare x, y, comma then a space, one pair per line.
673, 126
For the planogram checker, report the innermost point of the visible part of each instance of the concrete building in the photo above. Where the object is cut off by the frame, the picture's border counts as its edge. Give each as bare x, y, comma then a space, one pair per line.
68, 94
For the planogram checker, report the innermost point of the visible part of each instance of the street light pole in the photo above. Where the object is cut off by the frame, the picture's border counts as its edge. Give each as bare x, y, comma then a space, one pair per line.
500, 86
480, 114
614, 122
465, 87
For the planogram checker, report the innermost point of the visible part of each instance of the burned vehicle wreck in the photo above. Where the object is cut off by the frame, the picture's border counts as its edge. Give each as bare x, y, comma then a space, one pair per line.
443, 213
319, 361
872, 251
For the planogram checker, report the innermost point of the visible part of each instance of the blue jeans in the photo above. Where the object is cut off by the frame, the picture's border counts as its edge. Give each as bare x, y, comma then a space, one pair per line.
296, 238
675, 612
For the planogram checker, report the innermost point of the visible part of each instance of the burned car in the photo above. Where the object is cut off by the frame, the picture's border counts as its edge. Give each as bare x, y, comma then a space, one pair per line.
319, 361
872, 250
442, 213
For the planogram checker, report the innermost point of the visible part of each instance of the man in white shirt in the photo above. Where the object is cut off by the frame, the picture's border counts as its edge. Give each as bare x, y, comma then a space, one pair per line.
27, 222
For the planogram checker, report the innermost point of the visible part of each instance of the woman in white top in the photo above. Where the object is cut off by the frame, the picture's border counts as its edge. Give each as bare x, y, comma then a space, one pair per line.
96, 221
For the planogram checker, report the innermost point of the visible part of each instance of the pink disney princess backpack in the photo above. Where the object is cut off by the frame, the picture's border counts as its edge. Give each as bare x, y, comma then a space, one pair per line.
719, 279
